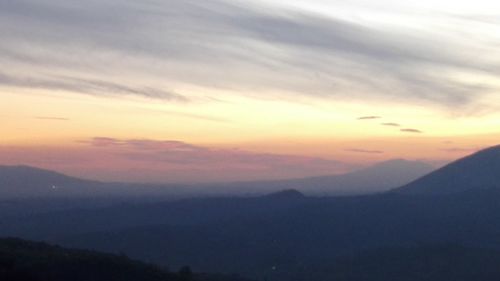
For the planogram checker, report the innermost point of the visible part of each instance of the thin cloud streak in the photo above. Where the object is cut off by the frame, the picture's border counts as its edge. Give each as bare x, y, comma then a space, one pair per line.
460, 150
390, 124
88, 86
51, 118
359, 150
369, 117
410, 130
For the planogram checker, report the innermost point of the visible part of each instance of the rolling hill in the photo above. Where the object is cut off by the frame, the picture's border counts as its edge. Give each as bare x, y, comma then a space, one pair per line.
22, 260
292, 237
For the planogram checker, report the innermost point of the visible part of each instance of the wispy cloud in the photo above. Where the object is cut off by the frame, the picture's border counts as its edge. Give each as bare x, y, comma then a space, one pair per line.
267, 50
360, 150
391, 124
369, 117
410, 130
143, 144
51, 118
87, 86
460, 150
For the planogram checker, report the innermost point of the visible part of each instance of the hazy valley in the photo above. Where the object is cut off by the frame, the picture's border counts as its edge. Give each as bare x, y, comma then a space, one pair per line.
286, 235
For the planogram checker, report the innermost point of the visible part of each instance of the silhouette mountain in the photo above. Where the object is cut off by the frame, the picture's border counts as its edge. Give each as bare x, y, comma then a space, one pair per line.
25, 181
22, 182
480, 170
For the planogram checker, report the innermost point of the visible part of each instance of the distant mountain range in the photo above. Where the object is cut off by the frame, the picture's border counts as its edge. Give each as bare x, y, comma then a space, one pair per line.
26, 182
480, 170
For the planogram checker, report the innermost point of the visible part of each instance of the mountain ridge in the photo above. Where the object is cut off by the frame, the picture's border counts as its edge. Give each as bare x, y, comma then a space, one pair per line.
480, 170
26, 181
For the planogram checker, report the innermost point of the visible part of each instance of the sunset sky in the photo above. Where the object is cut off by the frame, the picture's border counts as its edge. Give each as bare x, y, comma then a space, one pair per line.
196, 91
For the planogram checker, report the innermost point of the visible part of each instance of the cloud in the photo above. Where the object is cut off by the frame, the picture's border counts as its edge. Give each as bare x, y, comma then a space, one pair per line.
143, 144
51, 118
368, 117
358, 150
87, 86
107, 46
177, 161
410, 130
390, 124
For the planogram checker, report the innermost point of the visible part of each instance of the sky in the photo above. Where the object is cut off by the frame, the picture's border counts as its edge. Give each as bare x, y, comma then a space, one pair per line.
208, 91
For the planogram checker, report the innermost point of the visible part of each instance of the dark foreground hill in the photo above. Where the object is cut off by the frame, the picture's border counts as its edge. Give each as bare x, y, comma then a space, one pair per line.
22, 260
477, 171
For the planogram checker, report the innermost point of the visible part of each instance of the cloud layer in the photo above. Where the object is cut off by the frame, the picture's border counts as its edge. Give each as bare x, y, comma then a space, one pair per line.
96, 47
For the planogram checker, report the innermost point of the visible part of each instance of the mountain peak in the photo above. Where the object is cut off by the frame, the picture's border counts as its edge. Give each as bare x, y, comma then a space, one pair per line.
480, 170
